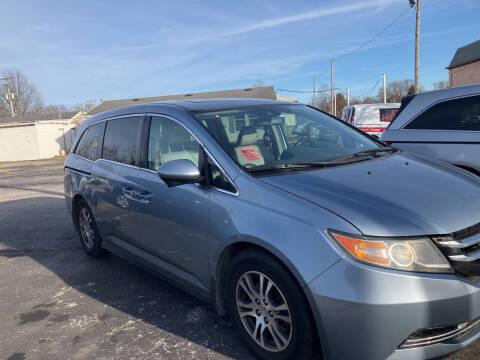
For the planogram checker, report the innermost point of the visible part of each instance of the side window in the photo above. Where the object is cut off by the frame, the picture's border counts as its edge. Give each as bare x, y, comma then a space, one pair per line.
218, 179
169, 141
90, 142
456, 114
120, 141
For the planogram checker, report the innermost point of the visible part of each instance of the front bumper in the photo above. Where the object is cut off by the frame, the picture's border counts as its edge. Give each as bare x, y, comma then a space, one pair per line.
364, 312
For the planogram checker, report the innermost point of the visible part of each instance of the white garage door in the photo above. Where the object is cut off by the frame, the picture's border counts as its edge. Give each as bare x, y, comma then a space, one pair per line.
18, 142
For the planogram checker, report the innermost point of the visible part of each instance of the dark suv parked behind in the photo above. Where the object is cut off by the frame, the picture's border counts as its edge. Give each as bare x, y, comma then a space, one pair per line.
442, 125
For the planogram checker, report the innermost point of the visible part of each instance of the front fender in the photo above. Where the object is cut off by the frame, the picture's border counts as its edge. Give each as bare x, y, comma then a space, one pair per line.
283, 224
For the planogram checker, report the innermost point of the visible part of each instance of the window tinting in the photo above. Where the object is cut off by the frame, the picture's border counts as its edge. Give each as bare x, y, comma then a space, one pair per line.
457, 114
120, 140
89, 145
168, 141
218, 179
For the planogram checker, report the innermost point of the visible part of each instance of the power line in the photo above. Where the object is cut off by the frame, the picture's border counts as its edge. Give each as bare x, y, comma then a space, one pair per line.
306, 91
369, 91
374, 37
353, 52
369, 41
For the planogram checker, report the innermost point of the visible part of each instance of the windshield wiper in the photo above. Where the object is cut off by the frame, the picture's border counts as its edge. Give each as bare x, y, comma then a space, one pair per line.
358, 156
376, 150
267, 168
288, 167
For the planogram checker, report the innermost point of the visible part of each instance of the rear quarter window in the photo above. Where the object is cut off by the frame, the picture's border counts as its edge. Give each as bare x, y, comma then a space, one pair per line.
455, 114
90, 143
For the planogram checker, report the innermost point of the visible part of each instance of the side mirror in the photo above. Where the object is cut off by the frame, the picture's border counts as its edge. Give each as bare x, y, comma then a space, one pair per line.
178, 172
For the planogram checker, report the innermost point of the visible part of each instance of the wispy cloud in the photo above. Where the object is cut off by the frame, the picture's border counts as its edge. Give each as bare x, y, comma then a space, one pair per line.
167, 47
343, 9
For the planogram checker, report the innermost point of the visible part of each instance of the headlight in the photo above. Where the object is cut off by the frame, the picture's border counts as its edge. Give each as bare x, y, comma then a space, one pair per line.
412, 254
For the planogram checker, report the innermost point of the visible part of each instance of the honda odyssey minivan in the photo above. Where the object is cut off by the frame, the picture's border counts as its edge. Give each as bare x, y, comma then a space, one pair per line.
315, 238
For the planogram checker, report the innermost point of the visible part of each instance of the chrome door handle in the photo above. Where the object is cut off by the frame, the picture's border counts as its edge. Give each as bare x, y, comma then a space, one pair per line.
143, 197
127, 190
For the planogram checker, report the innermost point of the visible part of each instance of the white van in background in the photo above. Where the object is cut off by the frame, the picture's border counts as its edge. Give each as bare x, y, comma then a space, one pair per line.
371, 118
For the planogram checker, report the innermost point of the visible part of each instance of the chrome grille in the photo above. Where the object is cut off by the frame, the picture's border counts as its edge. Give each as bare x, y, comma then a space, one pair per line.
463, 250
430, 336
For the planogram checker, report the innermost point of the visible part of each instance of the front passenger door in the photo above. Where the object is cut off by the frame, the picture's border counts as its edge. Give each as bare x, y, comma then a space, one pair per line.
173, 224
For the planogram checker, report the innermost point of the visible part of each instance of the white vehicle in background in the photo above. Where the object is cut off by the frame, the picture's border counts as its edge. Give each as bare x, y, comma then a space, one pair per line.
371, 118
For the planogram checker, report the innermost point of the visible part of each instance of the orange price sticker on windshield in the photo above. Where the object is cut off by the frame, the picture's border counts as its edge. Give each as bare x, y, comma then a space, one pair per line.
250, 154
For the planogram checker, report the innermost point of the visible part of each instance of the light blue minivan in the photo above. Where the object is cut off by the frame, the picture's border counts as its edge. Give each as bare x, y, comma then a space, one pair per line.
315, 238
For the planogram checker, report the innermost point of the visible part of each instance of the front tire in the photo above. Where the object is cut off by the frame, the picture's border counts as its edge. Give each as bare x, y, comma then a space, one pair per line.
88, 232
269, 309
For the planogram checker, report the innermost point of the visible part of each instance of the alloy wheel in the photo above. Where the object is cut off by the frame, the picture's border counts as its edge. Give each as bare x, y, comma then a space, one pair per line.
264, 312
86, 228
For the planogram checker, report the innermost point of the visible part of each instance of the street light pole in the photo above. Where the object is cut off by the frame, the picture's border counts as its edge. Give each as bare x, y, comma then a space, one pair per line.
384, 89
332, 92
417, 49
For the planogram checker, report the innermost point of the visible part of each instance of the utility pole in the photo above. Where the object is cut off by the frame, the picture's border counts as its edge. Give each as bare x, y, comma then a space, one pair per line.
332, 109
348, 97
9, 96
384, 89
314, 93
417, 49
334, 103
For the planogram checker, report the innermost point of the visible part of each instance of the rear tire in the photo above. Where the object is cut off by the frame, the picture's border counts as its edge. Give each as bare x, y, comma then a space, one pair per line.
87, 231
269, 309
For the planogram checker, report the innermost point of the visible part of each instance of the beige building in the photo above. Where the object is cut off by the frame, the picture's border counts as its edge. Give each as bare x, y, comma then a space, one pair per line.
465, 66
37, 137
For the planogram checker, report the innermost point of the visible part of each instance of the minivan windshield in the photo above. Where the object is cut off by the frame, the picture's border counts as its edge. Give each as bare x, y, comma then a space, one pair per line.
269, 136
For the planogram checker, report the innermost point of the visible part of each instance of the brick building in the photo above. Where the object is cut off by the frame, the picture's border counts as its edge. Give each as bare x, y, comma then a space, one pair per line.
465, 66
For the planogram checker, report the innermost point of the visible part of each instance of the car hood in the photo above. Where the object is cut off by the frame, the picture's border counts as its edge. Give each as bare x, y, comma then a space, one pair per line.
395, 195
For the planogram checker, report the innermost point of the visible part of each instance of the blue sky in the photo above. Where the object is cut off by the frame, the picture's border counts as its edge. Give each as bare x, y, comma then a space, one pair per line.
87, 50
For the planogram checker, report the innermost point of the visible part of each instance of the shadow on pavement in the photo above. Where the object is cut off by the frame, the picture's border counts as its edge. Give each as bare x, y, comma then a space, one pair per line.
41, 228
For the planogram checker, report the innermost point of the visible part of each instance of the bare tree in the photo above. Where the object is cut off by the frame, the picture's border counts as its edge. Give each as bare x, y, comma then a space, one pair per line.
257, 83
81, 106
85, 106
340, 103
322, 98
397, 89
364, 100
26, 98
442, 84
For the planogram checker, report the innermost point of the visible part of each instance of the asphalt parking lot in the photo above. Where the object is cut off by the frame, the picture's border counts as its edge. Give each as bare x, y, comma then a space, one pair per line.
57, 303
